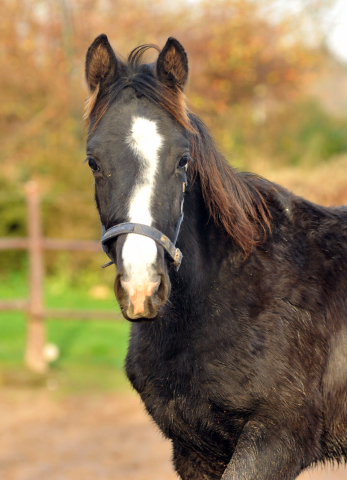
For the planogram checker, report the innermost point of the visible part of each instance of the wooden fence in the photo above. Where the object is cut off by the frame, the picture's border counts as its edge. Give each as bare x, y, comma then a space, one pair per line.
34, 305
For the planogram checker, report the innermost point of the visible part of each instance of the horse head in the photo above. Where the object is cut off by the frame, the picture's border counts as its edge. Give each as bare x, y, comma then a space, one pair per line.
138, 150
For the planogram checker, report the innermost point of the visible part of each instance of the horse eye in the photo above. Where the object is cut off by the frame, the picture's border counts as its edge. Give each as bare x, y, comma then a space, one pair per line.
184, 161
93, 165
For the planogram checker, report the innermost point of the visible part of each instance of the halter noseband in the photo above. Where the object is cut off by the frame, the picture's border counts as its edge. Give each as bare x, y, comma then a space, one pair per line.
124, 228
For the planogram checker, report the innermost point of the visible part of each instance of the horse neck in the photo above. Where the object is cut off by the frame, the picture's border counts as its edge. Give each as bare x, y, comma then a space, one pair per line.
202, 243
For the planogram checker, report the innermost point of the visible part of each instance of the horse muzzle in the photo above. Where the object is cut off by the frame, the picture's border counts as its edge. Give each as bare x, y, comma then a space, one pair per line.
142, 301
142, 297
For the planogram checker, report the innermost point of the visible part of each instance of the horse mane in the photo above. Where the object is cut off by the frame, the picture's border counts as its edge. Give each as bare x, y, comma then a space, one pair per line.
235, 201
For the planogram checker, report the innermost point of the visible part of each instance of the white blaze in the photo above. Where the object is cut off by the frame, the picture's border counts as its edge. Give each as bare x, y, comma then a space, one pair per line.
140, 252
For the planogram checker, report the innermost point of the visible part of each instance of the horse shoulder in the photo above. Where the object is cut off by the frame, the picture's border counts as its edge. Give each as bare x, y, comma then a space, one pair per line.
334, 389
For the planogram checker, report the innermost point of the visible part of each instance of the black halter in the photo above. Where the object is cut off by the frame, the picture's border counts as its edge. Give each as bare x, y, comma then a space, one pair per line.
124, 228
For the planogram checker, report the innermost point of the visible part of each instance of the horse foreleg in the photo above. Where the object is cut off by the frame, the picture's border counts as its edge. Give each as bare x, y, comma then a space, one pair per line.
271, 452
191, 466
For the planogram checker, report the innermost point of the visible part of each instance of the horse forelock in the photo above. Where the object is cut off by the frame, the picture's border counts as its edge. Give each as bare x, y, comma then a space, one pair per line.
142, 77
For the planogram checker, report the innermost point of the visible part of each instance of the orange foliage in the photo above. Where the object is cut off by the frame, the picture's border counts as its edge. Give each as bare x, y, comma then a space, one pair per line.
239, 57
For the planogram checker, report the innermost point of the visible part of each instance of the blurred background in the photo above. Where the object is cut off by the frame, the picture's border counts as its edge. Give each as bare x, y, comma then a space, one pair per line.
268, 77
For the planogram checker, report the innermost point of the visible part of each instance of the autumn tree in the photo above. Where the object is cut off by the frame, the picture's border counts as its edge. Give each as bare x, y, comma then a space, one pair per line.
245, 64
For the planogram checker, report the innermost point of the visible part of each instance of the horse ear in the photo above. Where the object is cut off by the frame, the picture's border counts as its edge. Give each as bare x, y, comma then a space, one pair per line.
102, 67
172, 65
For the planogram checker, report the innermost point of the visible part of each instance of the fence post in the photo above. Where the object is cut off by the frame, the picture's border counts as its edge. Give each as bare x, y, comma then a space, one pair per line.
36, 337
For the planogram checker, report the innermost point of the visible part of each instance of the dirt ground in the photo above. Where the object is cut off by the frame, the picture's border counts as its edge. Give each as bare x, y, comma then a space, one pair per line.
87, 437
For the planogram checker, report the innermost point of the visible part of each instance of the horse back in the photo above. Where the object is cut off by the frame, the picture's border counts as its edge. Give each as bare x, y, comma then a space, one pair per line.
314, 250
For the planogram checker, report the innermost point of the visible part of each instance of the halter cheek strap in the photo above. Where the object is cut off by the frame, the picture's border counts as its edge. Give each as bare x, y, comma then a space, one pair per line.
124, 228
147, 231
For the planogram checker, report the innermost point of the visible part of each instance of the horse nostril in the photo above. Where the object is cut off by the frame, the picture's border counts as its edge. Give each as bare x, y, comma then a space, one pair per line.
119, 289
162, 289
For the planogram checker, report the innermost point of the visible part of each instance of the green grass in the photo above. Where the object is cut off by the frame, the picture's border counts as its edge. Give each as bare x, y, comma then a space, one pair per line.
12, 338
91, 352
13, 286
89, 342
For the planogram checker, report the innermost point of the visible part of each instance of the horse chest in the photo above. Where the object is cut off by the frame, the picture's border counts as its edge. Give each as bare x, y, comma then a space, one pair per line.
177, 394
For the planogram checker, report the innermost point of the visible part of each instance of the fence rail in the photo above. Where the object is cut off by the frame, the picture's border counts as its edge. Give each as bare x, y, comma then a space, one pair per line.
50, 244
36, 244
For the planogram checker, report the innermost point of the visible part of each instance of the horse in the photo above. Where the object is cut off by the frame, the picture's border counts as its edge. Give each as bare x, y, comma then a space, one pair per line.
235, 288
